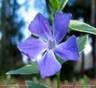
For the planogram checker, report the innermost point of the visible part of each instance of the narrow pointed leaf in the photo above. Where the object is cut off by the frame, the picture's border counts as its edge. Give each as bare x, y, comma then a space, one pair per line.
26, 70
54, 5
82, 42
81, 27
63, 3
30, 84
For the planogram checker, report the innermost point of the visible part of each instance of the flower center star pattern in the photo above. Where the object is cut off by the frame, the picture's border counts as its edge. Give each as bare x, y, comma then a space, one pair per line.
48, 43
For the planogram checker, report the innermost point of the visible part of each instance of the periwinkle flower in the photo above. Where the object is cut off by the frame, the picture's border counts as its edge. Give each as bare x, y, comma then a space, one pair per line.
48, 44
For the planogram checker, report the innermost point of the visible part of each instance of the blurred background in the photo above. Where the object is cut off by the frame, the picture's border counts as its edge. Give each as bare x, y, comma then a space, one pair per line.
15, 16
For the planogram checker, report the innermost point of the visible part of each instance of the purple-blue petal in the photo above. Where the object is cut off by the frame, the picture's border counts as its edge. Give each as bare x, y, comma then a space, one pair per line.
40, 27
60, 26
68, 50
32, 47
49, 65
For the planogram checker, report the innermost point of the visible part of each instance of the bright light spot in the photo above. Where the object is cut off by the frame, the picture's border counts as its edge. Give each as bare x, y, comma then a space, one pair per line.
29, 16
0, 35
21, 12
26, 32
81, 19
39, 58
87, 49
25, 59
27, 65
21, 1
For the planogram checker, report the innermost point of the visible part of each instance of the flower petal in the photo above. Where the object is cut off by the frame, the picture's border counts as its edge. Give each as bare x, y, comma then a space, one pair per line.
60, 26
49, 65
68, 50
40, 27
32, 47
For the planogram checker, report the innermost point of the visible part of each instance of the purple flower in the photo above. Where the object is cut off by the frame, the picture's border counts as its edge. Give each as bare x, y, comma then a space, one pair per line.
48, 44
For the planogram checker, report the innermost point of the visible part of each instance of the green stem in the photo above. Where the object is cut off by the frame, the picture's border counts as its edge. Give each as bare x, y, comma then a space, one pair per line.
58, 80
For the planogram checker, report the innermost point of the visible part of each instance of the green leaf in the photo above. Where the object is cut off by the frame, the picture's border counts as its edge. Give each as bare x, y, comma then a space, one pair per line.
30, 84
81, 27
60, 60
54, 5
82, 42
26, 70
63, 3
84, 81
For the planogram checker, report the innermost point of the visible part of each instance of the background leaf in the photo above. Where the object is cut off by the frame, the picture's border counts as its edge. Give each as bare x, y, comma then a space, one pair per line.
30, 84
81, 27
26, 70
82, 42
